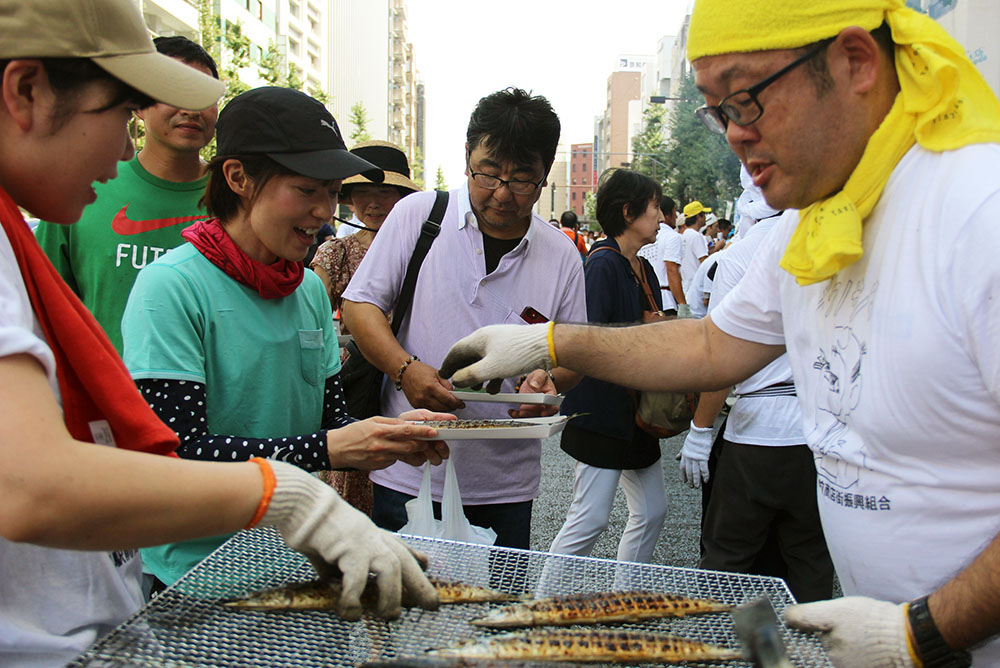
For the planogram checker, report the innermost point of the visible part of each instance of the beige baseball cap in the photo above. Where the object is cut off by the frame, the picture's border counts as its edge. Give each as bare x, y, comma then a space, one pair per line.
113, 35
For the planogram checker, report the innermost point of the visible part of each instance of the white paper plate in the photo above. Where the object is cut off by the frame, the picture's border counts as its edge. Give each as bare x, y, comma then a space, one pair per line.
512, 398
344, 339
534, 428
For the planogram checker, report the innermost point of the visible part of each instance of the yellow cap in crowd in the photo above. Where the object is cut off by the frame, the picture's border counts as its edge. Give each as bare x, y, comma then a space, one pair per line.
694, 208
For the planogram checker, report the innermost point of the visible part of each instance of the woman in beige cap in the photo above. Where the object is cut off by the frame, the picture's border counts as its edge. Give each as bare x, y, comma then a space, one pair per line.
72, 72
336, 261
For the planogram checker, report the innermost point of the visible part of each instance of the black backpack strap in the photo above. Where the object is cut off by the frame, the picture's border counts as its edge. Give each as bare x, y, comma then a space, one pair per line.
428, 232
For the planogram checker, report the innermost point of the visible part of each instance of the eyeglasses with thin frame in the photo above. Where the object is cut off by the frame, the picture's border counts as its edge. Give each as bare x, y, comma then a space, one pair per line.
743, 107
490, 182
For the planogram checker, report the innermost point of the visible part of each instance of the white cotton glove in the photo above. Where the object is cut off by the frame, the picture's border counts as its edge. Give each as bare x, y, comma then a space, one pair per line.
496, 352
694, 455
858, 632
683, 311
340, 540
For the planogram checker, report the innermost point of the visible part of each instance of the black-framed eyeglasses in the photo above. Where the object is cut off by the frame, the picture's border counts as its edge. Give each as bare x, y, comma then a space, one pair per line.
494, 182
743, 107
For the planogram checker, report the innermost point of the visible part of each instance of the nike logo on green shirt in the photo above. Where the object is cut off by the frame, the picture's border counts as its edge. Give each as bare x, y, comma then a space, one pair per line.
122, 224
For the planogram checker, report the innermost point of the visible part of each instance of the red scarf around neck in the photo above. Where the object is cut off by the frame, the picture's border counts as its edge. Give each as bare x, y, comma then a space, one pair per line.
271, 281
93, 381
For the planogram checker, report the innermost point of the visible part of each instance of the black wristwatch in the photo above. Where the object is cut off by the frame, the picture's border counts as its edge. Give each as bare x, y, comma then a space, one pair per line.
933, 650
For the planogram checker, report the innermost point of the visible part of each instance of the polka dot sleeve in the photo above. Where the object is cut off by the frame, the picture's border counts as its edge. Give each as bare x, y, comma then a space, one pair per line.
181, 406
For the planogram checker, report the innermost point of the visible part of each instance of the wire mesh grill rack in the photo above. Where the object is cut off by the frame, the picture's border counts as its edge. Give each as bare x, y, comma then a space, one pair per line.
186, 626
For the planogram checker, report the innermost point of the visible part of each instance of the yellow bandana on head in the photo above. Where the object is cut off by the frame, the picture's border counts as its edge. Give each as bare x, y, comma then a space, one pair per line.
943, 104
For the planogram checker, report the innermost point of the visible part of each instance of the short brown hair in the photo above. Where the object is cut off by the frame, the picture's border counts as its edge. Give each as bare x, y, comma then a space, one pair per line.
219, 199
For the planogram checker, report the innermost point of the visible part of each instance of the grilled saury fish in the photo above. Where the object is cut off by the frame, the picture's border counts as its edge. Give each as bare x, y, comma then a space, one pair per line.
444, 662
324, 595
588, 646
603, 608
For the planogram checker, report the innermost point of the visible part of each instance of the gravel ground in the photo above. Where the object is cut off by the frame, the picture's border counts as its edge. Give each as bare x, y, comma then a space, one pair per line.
679, 540
678, 544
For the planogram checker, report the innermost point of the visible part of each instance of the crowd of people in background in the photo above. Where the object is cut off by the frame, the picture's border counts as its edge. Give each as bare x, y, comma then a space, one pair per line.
196, 310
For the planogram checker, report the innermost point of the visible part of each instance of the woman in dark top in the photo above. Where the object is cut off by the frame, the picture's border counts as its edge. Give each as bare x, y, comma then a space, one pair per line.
605, 441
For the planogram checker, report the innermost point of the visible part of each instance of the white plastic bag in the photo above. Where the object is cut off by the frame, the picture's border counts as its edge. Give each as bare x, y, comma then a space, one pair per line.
453, 525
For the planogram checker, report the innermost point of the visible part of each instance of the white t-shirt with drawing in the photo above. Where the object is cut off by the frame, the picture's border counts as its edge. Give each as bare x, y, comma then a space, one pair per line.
897, 368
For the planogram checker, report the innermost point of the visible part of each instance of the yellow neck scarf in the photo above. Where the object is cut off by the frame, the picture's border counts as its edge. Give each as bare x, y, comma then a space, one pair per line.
943, 104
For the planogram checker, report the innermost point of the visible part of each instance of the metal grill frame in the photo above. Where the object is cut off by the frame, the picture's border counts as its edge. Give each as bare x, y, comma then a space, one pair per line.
185, 626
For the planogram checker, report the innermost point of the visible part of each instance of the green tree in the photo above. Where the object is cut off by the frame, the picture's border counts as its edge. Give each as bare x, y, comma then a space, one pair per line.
590, 207
272, 69
359, 120
293, 78
271, 64
208, 27
649, 146
137, 131
211, 41
319, 94
237, 46
700, 164
417, 168
439, 182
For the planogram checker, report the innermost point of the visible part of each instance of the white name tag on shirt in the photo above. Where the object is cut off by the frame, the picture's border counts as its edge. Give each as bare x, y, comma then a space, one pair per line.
101, 432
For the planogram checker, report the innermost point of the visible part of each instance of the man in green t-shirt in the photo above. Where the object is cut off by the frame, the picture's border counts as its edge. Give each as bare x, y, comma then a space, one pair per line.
138, 215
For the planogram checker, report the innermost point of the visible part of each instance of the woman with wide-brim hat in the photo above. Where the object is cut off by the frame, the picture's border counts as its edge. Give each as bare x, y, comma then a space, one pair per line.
336, 260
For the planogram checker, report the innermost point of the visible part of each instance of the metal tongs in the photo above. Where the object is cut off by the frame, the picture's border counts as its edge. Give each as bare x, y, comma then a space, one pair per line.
757, 627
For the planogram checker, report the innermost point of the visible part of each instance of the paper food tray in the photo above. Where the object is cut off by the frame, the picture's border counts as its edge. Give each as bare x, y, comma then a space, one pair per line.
344, 339
512, 398
534, 428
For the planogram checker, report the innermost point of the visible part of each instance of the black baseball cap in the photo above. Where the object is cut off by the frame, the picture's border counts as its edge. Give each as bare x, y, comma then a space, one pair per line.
293, 129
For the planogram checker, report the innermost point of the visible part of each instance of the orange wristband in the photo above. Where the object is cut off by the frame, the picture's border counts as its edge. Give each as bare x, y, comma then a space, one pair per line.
269, 484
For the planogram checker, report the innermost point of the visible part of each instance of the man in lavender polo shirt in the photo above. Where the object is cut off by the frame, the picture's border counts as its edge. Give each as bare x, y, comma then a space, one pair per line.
492, 260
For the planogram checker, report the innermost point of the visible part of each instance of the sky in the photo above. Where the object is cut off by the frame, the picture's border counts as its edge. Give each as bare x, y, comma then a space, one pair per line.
562, 49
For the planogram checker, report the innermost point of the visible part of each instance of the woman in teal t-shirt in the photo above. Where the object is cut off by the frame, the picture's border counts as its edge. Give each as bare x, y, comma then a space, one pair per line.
228, 337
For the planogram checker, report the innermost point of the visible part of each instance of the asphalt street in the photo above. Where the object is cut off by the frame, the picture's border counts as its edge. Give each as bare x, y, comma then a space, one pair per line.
678, 544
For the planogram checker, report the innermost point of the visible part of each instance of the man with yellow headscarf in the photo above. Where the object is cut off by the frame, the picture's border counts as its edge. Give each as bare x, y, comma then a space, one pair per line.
868, 123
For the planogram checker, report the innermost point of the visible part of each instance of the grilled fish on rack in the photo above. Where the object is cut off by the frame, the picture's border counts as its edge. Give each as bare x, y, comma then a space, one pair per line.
588, 646
458, 592
323, 595
603, 608
445, 662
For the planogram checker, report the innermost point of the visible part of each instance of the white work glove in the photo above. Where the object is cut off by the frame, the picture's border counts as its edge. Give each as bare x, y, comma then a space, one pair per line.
340, 540
496, 352
858, 632
694, 455
683, 311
